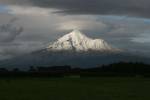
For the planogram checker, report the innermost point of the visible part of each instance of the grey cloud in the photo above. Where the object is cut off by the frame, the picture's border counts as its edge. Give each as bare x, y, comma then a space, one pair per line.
139, 8
40, 30
9, 50
15, 2
8, 32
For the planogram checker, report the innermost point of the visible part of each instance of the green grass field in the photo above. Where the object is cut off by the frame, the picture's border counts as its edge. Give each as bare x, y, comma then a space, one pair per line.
75, 89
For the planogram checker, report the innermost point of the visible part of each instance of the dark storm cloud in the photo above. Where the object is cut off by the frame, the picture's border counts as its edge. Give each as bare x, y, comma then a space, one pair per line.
139, 8
15, 2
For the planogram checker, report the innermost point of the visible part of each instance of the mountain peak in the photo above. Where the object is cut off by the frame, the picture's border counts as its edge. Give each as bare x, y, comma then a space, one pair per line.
76, 34
77, 41
75, 31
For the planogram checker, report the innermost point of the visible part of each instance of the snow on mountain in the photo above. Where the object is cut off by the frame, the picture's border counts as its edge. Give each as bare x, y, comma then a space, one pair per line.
77, 41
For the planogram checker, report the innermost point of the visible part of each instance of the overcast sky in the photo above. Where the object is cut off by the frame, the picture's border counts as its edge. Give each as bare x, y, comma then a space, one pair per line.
28, 25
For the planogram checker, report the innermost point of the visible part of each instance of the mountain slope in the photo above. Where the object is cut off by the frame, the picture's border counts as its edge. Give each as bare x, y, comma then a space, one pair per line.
74, 59
74, 49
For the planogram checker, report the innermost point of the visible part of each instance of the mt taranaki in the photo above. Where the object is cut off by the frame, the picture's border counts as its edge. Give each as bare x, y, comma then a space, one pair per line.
74, 49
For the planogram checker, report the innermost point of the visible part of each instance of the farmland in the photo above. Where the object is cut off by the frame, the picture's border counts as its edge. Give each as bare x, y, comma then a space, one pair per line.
75, 88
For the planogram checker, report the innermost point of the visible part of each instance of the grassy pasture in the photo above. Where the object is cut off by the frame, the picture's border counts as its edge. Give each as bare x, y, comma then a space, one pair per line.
75, 88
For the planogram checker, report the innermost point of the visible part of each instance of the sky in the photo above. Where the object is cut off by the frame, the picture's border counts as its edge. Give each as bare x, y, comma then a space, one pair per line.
29, 25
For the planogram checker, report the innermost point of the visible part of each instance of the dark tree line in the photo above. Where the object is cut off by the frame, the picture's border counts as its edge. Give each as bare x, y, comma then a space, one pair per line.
121, 69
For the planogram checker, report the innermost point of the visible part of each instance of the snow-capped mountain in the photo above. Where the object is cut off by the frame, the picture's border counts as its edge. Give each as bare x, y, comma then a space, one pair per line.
77, 41
74, 49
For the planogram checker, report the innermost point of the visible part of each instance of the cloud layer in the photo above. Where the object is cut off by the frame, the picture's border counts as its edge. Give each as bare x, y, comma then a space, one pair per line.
137, 8
9, 32
28, 25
